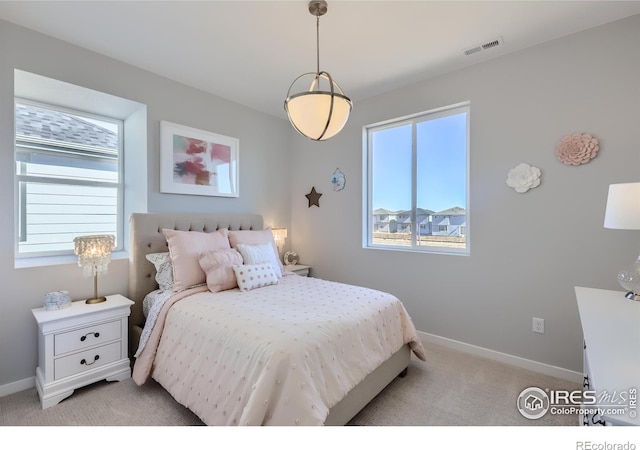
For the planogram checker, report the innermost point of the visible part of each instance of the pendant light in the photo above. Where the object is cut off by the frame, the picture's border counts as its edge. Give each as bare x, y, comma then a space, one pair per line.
322, 110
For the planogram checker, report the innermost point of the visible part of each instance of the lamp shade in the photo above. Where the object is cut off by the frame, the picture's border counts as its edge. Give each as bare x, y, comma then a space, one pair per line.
317, 114
623, 207
94, 253
279, 235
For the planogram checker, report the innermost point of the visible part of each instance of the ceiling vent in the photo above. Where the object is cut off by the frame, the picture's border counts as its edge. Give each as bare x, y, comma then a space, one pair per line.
485, 46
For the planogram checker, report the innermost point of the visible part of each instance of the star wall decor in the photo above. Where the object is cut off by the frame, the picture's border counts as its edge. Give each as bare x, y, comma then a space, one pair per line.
313, 197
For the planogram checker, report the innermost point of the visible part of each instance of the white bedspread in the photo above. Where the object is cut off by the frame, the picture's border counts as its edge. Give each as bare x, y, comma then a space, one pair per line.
277, 355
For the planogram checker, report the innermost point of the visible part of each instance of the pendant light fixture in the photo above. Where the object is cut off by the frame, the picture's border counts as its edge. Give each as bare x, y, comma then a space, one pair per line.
322, 110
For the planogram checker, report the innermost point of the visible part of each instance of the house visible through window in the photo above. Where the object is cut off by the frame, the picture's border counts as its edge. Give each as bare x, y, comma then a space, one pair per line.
416, 183
68, 174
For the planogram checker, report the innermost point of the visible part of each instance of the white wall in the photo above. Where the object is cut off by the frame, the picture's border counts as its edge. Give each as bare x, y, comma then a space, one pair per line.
528, 251
264, 165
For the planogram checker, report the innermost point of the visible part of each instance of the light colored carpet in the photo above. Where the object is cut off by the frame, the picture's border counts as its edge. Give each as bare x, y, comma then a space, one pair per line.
451, 388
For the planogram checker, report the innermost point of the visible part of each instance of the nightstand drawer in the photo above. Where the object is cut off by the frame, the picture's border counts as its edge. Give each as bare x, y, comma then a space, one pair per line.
87, 360
86, 337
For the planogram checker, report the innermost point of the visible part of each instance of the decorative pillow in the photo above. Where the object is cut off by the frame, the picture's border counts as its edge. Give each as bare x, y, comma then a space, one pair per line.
256, 254
185, 248
257, 237
254, 276
218, 266
164, 269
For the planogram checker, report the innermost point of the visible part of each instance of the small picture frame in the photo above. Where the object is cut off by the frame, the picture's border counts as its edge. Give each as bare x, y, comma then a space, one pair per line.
196, 162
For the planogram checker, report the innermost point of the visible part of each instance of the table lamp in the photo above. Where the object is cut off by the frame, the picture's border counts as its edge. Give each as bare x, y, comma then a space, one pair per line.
94, 256
279, 236
623, 213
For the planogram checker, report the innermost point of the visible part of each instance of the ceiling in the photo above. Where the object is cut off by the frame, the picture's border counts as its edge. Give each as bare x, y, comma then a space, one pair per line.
250, 51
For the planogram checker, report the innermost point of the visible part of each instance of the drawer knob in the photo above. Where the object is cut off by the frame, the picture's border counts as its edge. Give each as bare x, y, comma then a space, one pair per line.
83, 338
84, 361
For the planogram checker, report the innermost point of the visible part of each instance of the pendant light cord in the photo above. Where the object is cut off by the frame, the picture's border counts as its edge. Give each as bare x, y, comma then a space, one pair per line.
318, 43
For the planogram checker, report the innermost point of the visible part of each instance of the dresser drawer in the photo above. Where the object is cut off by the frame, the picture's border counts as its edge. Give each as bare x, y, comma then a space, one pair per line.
86, 337
86, 360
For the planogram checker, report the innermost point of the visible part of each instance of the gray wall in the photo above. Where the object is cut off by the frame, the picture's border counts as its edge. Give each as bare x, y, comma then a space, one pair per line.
264, 164
528, 251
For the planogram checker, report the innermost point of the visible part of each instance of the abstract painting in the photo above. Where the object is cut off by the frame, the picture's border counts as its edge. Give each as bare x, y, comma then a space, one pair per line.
197, 162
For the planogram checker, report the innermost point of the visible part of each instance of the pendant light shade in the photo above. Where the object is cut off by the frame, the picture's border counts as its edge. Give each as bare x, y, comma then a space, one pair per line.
320, 110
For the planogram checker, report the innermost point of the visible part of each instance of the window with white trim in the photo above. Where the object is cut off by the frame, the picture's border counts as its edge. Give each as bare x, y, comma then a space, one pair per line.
68, 178
416, 182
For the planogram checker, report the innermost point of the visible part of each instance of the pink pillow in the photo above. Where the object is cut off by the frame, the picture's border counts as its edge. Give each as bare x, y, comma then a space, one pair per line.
185, 248
218, 266
256, 237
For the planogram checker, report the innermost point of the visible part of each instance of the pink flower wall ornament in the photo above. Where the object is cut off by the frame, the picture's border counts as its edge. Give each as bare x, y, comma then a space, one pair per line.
576, 149
523, 177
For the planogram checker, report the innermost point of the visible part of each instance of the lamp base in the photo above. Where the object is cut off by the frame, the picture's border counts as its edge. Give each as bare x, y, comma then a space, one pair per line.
96, 300
632, 296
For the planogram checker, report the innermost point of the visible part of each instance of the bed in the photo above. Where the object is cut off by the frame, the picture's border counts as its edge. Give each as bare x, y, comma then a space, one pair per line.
296, 351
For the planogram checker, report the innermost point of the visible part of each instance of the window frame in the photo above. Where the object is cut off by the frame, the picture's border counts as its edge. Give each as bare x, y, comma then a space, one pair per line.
367, 204
18, 179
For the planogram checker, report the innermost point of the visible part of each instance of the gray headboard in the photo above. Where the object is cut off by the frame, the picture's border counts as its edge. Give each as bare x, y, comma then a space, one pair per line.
146, 237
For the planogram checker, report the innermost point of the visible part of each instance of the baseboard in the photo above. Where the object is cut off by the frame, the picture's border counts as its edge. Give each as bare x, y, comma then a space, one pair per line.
517, 361
17, 386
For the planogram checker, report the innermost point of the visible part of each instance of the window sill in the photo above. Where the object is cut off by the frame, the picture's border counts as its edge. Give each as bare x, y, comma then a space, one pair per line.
21, 263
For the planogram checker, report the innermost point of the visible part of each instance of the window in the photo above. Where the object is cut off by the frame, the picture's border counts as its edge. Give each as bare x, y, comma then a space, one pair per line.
68, 175
416, 182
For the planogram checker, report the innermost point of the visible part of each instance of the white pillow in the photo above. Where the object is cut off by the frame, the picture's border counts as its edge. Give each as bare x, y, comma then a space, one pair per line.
261, 253
254, 276
164, 269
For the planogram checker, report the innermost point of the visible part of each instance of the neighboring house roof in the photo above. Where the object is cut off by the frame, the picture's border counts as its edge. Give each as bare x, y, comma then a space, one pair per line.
402, 212
455, 211
35, 122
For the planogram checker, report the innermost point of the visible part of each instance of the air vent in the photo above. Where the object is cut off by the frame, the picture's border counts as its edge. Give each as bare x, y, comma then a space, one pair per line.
486, 46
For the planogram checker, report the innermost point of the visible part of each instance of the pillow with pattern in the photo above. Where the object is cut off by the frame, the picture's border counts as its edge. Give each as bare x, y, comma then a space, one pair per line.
253, 276
256, 254
257, 237
164, 269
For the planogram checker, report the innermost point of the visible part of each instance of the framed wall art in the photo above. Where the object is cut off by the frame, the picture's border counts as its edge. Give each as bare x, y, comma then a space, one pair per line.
197, 162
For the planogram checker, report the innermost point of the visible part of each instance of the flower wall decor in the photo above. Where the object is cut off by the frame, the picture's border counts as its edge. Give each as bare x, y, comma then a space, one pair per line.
523, 177
576, 149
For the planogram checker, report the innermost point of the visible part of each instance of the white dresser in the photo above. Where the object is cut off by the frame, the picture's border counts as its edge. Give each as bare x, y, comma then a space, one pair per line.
80, 345
611, 328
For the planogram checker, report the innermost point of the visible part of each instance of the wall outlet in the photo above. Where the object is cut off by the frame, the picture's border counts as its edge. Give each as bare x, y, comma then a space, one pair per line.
538, 325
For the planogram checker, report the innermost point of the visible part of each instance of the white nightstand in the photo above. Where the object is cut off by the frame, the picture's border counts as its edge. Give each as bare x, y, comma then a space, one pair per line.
299, 269
80, 345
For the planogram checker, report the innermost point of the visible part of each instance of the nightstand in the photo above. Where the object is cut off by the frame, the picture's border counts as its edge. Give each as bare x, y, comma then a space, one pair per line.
80, 345
299, 269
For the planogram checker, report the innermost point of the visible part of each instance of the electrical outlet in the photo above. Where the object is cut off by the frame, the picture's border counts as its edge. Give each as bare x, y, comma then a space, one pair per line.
538, 325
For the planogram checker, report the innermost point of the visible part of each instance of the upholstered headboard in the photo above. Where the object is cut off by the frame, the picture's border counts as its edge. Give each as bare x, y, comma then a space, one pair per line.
146, 237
